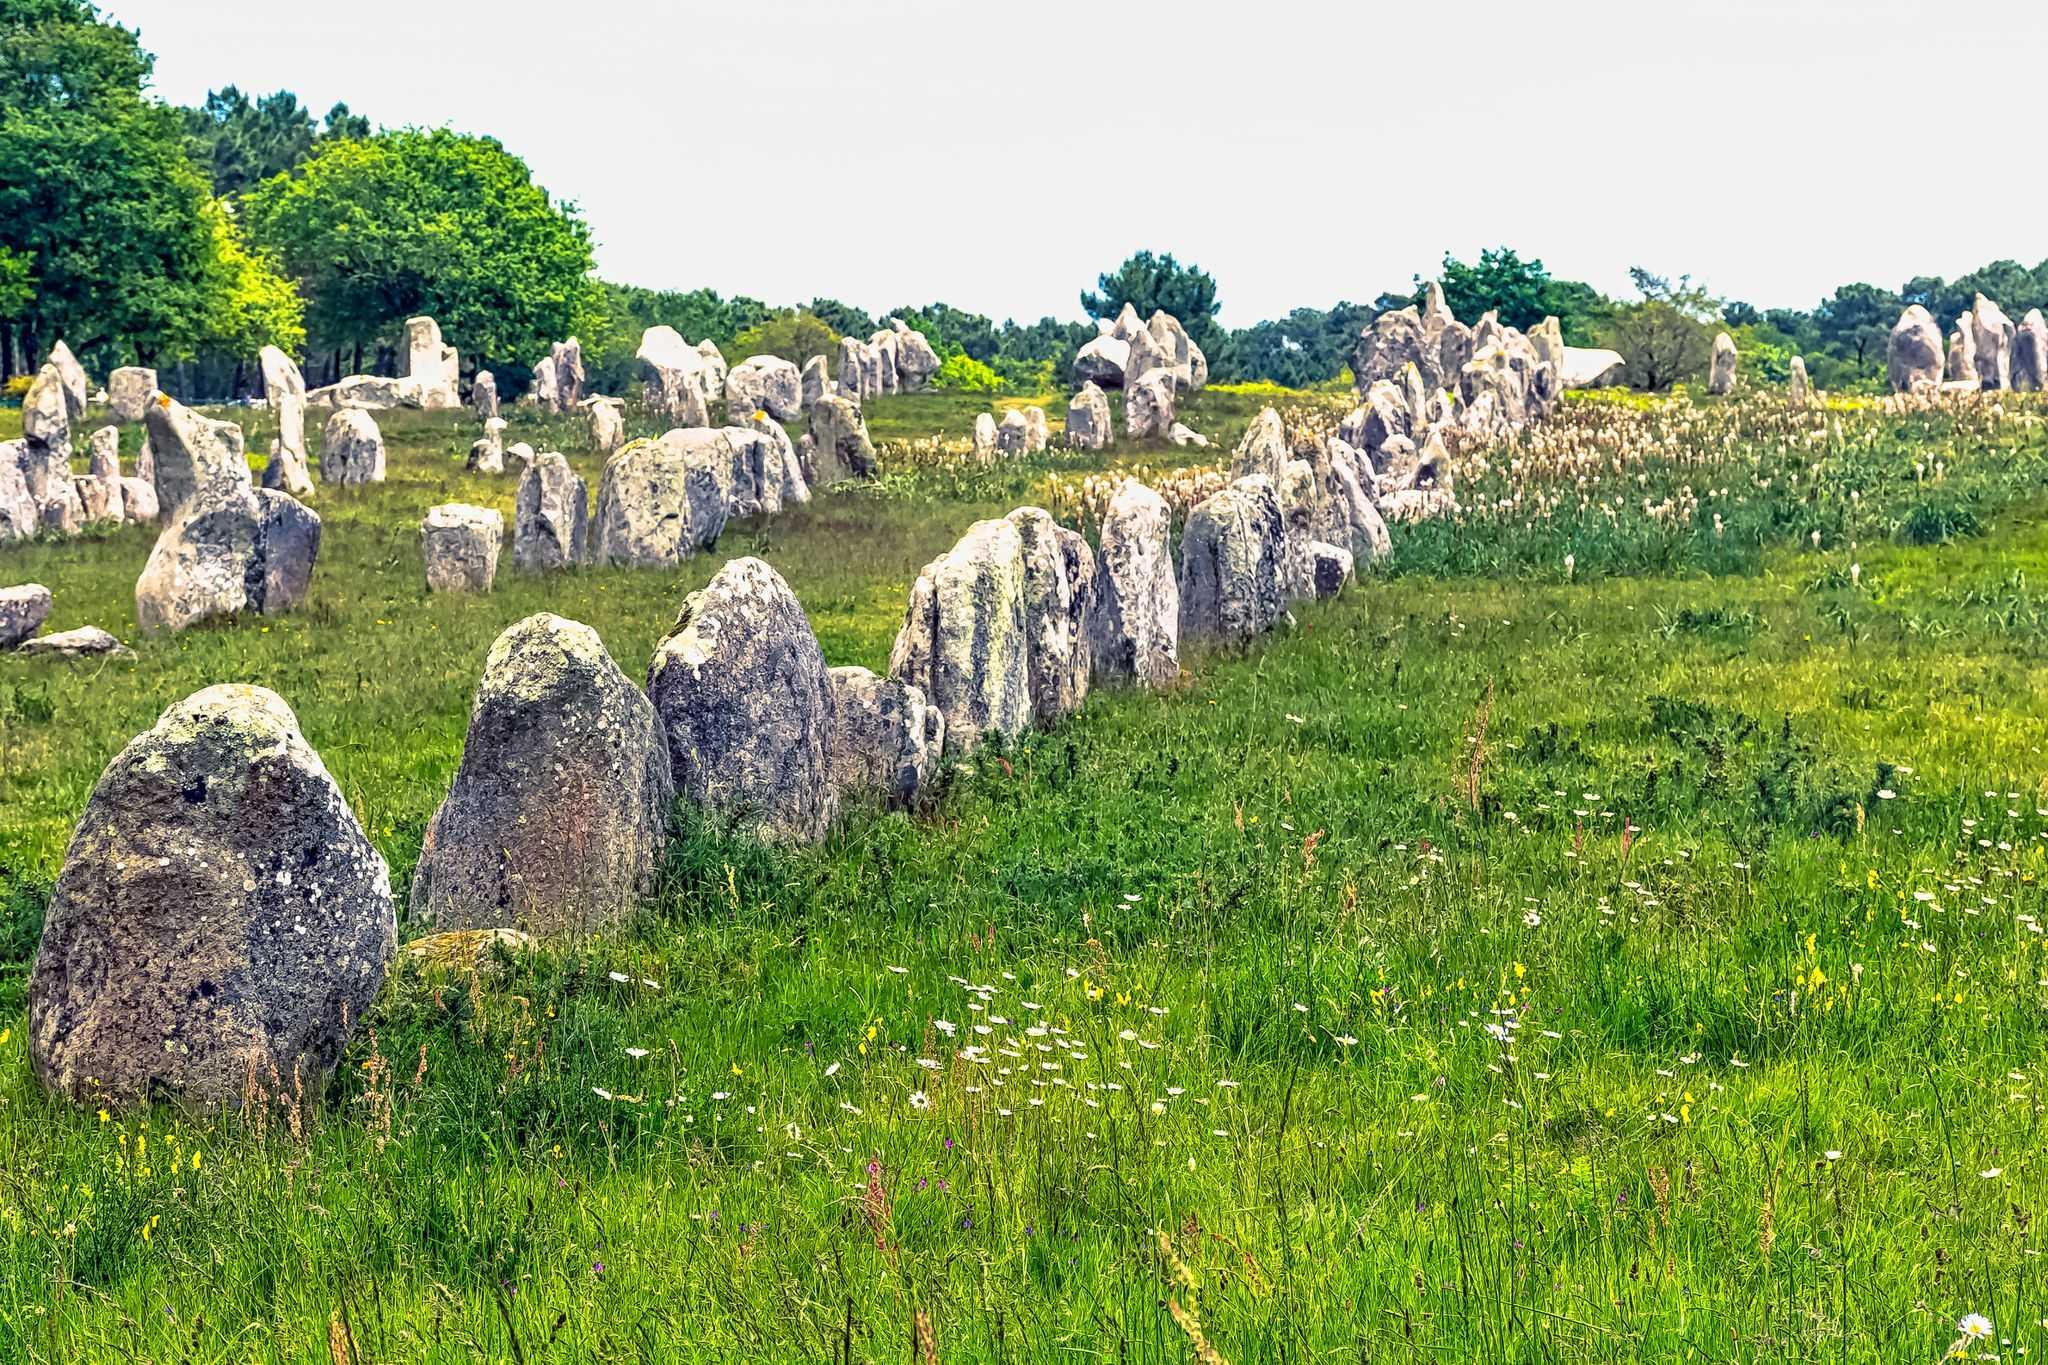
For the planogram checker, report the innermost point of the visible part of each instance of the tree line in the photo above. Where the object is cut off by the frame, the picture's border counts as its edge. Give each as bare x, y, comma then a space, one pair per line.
189, 238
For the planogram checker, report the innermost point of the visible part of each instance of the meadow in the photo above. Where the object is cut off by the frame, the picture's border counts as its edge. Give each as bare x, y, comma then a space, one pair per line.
1610, 932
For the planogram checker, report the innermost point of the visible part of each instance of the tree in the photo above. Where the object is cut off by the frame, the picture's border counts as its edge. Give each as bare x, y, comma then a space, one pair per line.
1501, 282
1667, 336
408, 222
843, 318
99, 207
794, 334
256, 306
237, 143
1149, 284
1307, 347
1856, 324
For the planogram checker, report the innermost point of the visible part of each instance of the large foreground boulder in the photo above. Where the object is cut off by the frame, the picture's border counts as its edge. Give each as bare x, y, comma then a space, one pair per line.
550, 515
746, 706
556, 820
221, 924
661, 501
1233, 563
1134, 622
886, 738
229, 550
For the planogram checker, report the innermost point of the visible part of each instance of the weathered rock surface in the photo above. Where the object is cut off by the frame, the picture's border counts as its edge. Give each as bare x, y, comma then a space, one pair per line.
21, 514
1263, 448
128, 392
1148, 406
986, 442
72, 376
229, 550
487, 452
746, 705
1721, 377
817, 378
886, 738
840, 447
660, 502
22, 612
1102, 362
82, 642
607, 418
1232, 563
1134, 621
483, 396
1962, 353
2030, 353
675, 379
1798, 391
963, 642
551, 516
46, 418
285, 388
765, 383
569, 373
1088, 420
192, 454
557, 817
1332, 569
1994, 333
351, 449
103, 450
1059, 595
138, 502
1914, 355
221, 924
459, 544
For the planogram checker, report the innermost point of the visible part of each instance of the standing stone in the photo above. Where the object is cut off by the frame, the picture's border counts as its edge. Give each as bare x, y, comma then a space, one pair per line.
221, 924
1088, 420
1134, 624
1148, 406
660, 502
715, 371
46, 420
1721, 379
1962, 353
352, 449
569, 375
764, 383
487, 452
192, 454
1232, 552
853, 368
72, 375
285, 388
1038, 431
128, 391
815, 378
21, 514
551, 517
987, 440
607, 417
483, 396
746, 706
1798, 391
1013, 434
1913, 357
138, 501
22, 612
963, 640
1301, 516
100, 498
916, 361
1332, 569
557, 817
1103, 361
1993, 333
840, 447
1146, 356
673, 378
104, 446
886, 738
62, 510
1394, 340
545, 392
434, 378
228, 550
1059, 593
765, 473
459, 543
2030, 353
1263, 450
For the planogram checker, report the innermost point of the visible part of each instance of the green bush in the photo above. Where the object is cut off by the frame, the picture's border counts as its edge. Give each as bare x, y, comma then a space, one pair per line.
962, 373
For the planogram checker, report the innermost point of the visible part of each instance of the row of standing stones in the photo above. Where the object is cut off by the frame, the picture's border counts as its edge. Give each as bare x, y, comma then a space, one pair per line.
221, 921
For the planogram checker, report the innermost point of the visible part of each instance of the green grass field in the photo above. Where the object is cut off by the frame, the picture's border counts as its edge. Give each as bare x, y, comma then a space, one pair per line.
1633, 960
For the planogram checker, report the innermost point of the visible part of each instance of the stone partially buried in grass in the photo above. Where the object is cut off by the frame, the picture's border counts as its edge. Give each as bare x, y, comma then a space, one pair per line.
660, 502
963, 642
221, 922
80, 642
550, 515
352, 449
556, 820
886, 738
459, 544
746, 705
22, 612
1134, 623
1232, 563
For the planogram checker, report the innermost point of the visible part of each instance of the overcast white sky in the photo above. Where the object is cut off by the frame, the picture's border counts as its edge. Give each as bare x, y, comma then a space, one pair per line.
1000, 156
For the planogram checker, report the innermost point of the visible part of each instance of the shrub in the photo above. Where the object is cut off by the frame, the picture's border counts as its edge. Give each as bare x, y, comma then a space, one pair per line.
962, 373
